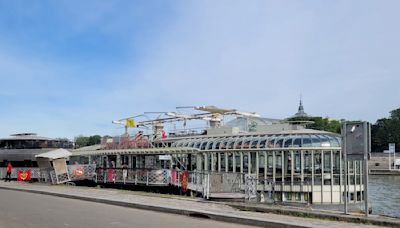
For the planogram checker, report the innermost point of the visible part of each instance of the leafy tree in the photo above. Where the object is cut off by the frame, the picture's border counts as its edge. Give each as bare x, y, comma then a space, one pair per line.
81, 141
94, 140
385, 131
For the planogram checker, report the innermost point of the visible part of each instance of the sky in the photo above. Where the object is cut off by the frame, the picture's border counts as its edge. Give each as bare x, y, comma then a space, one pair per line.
70, 67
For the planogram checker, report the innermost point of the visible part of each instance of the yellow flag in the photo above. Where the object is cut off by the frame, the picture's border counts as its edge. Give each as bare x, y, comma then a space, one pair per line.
130, 122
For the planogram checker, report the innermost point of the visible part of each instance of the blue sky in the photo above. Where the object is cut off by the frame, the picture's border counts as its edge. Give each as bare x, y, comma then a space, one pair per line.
70, 67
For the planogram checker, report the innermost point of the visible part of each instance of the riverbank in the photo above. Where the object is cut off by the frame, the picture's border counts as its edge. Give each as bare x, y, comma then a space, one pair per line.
384, 172
237, 213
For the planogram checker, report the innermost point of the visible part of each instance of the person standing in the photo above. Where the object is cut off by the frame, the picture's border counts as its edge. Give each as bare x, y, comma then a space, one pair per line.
9, 170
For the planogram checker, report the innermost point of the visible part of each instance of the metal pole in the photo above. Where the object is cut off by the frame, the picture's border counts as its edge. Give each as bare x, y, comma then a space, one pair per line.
345, 166
366, 151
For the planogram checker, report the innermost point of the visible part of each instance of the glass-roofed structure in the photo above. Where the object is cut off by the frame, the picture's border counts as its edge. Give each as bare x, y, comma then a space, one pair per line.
304, 165
293, 163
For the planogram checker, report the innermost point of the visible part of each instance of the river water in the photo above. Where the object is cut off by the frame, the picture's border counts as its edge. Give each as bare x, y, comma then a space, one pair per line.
384, 195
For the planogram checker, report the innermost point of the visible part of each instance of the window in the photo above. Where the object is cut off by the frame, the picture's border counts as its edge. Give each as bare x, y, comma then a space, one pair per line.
307, 141
262, 143
210, 145
297, 142
288, 142
316, 142
279, 143
254, 143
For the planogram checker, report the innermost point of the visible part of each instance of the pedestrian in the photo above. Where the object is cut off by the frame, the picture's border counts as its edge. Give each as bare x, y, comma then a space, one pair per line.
9, 170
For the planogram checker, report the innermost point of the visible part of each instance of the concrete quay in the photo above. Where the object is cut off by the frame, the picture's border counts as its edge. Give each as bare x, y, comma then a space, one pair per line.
250, 215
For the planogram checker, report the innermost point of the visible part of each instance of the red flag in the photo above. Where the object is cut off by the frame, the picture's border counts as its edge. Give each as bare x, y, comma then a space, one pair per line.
184, 180
24, 175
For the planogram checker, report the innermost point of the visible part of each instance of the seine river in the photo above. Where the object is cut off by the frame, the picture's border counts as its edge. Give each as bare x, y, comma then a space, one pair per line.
384, 195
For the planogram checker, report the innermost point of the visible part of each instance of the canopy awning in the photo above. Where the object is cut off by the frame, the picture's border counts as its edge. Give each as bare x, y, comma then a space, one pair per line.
55, 154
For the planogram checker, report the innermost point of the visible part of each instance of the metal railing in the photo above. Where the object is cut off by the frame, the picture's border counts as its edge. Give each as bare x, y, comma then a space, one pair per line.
35, 172
133, 176
269, 191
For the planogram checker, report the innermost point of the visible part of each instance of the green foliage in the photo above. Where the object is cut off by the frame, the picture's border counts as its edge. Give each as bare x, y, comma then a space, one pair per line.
319, 123
82, 141
94, 139
385, 131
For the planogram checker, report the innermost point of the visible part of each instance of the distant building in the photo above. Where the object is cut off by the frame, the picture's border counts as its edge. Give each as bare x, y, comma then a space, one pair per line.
20, 149
300, 112
251, 124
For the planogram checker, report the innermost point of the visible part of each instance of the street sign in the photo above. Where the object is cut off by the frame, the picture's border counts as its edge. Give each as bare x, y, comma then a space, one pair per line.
357, 137
392, 148
356, 144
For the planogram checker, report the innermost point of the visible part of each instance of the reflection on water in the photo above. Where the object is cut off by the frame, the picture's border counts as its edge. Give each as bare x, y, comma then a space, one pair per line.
384, 195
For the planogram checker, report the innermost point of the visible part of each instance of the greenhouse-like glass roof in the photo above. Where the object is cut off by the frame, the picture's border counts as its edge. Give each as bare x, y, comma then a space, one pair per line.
261, 141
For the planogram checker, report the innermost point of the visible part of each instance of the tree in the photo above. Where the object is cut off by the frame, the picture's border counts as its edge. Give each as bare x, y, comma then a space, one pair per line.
385, 131
81, 141
94, 140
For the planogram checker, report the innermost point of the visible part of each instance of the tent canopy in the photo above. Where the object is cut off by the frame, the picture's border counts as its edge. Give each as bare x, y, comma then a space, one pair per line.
55, 154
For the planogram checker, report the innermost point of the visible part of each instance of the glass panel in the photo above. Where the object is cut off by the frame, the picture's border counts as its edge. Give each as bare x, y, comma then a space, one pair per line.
336, 167
237, 160
271, 142
307, 141
325, 142
191, 144
222, 162
253, 162
239, 144
245, 163
327, 167
246, 144
278, 165
269, 163
288, 142
203, 145
334, 141
197, 145
317, 168
230, 145
223, 144
278, 143
262, 143
297, 141
316, 142
210, 145
216, 145
254, 143
307, 167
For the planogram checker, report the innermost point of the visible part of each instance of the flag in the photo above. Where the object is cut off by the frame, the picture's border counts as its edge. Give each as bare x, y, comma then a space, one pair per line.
130, 122
184, 180
24, 175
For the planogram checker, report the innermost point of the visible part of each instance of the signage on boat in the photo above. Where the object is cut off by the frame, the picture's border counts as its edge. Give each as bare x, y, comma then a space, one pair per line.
24, 175
164, 157
78, 171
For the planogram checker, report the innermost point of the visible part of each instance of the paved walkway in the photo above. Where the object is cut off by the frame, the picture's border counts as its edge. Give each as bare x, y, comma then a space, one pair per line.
178, 205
